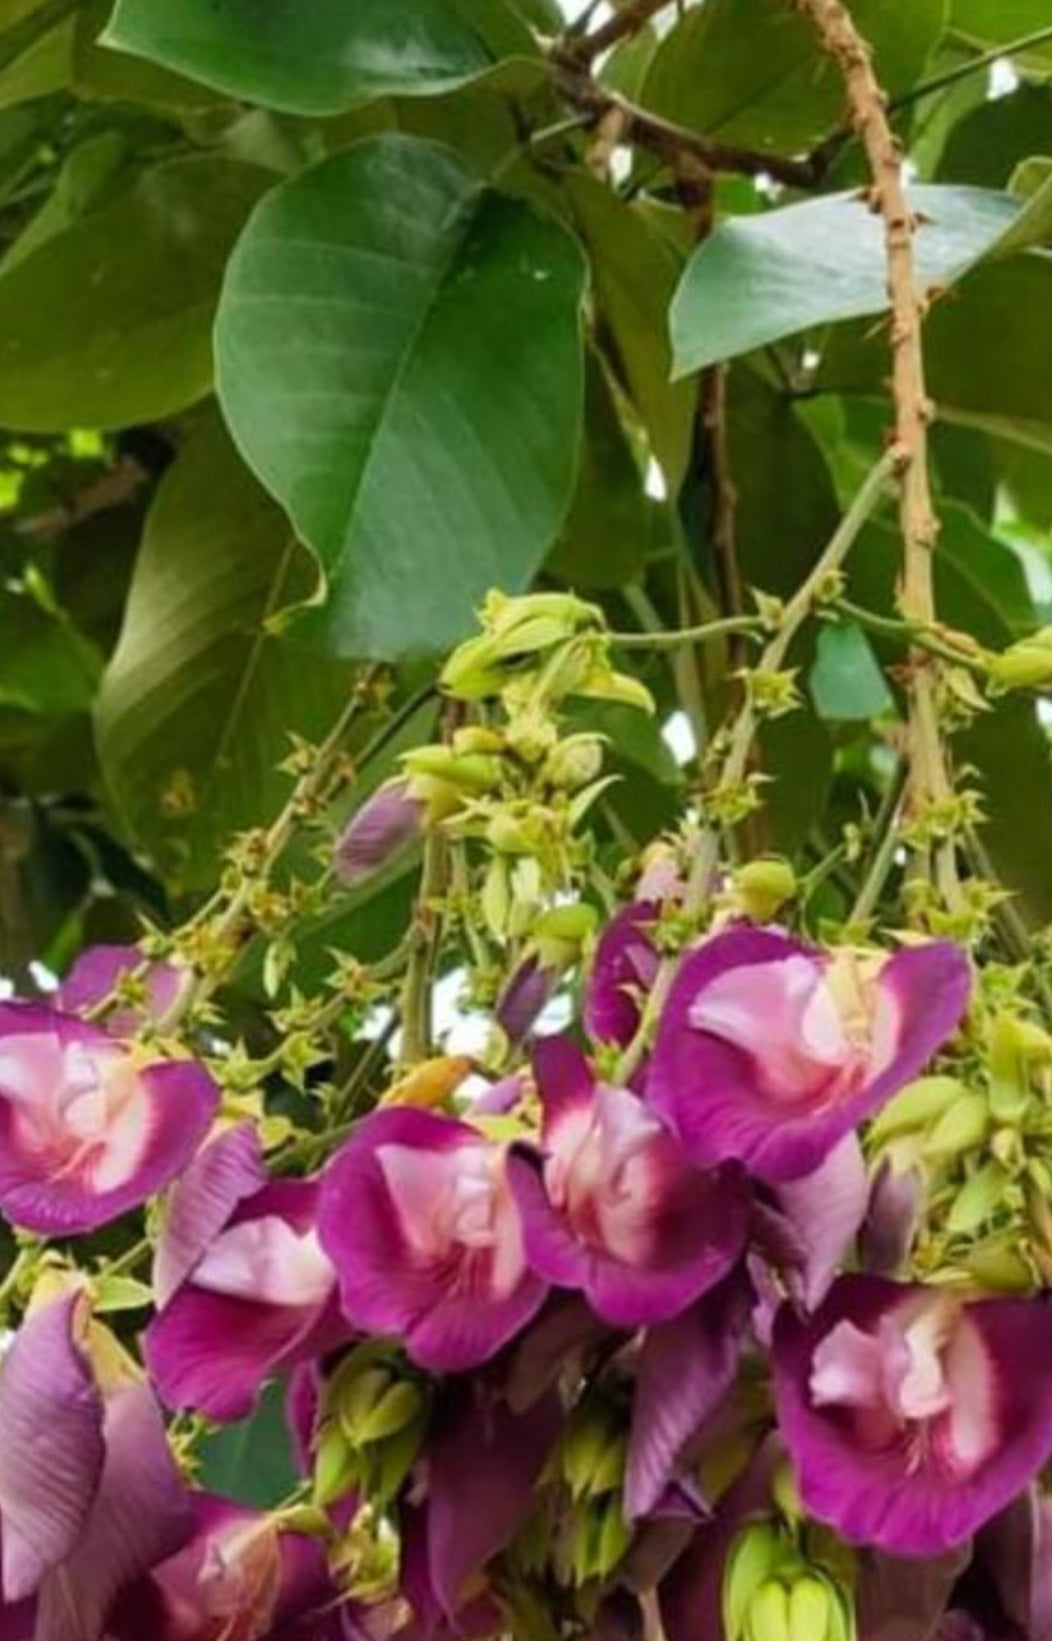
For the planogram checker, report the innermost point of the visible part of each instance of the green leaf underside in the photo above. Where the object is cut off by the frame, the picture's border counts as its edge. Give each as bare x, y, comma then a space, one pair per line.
846, 682
399, 359
761, 278
198, 702
108, 323
319, 56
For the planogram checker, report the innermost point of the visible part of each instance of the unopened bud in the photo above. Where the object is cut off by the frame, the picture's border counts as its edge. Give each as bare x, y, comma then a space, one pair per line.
603, 684
594, 1454
916, 1108
430, 1084
961, 1128
574, 762
397, 1408
335, 1468
764, 886
1026, 665
753, 1557
768, 1616
511, 834
810, 1610
473, 771
524, 997
377, 833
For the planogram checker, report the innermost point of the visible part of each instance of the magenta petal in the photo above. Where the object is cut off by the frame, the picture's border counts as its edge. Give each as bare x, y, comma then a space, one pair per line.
825, 1210
1015, 1552
97, 971
214, 1353
564, 1077
893, 1214
685, 1369
884, 1489
623, 971
376, 834
483, 1462
51, 1446
708, 1088
222, 1175
140, 1515
524, 998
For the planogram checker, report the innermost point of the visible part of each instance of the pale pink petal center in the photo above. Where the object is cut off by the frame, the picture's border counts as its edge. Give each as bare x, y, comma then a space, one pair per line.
456, 1203
814, 1031
79, 1111
607, 1164
267, 1261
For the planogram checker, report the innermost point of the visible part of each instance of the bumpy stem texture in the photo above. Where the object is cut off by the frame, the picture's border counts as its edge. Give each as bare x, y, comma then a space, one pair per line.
930, 782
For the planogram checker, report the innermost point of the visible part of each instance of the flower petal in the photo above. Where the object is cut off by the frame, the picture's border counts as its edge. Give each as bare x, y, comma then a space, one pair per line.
685, 1369
708, 1087
886, 1491
51, 1445
97, 971
202, 1201
140, 1515
825, 1210
564, 1077
63, 1172
900, 1599
623, 970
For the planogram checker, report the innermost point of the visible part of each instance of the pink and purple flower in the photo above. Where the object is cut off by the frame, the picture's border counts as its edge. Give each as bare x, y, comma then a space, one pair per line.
770, 1052
913, 1417
626, 963
244, 1286
418, 1217
98, 971
610, 1205
86, 1130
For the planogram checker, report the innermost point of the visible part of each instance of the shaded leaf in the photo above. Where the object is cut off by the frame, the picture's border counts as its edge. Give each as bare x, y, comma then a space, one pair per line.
760, 278
986, 145
846, 681
252, 1462
999, 22
109, 322
417, 408
322, 57
199, 699
754, 74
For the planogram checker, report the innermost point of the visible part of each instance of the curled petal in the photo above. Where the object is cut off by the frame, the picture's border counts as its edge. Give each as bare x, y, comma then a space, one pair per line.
913, 1419
51, 1446
892, 1216
759, 1058
623, 971
202, 1201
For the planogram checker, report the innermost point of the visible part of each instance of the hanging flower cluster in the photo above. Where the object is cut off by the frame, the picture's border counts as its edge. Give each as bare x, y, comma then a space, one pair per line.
723, 1300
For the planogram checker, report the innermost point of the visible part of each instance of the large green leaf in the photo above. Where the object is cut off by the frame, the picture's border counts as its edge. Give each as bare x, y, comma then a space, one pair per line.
986, 145
754, 73
109, 322
399, 358
757, 279
634, 272
323, 56
199, 699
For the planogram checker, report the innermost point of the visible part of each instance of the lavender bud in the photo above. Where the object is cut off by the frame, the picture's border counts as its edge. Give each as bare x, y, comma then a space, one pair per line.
523, 998
387, 823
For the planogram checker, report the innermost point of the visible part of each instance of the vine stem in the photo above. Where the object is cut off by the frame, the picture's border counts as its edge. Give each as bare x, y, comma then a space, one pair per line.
735, 761
929, 781
707, 633
909, 634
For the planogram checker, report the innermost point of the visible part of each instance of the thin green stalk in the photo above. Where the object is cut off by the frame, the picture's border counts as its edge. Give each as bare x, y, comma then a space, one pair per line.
707, 633
975, 65
911, 635
882, 857
426, 937
736, 760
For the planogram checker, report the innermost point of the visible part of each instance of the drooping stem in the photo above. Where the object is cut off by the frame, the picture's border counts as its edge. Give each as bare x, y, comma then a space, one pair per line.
929, 779
709, 632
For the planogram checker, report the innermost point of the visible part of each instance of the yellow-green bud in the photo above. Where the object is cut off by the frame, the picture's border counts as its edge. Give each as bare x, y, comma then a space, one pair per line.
615, 1535
574, 762
603, 684
768, 1616
916, 1108
335, 1467
764, 886
961, 1128
511, 834
474, 771
1026, 665
594, 1454
396, 1409
810, 1604
756, 1553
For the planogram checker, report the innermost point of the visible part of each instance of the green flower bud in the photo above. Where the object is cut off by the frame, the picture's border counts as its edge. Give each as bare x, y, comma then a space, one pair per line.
511, 834
768, 1616
615, 1536
568, 924
398, 1407
574, 762
1026, 665
916, 1108
594, 1455
754, 1556
978, 1199
998, 1266
335, 1467
474, 771
961, 1128
810, 1610
764, 886
603, 684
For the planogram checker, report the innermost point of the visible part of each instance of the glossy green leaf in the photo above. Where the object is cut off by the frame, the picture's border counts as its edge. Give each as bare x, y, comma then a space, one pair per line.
44, 67
754, 74
986, 145
417, 407
760, 278
109, 322
252, 1462
325, 56
846, 681
634, 271
102, 72
199, 699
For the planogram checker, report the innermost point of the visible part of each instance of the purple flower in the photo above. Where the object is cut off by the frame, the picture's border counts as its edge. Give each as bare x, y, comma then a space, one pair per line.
96, 973
89, 1493
376, 834
622, 973
86, 1131
238, 1576
913, 1418
612, 1207
524, 998
245, 1288
771, 1052
418, 1217
815, 1221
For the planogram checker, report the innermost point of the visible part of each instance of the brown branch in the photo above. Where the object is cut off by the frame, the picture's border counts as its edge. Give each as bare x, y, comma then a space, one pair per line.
672, 142
929, 774
629, 19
